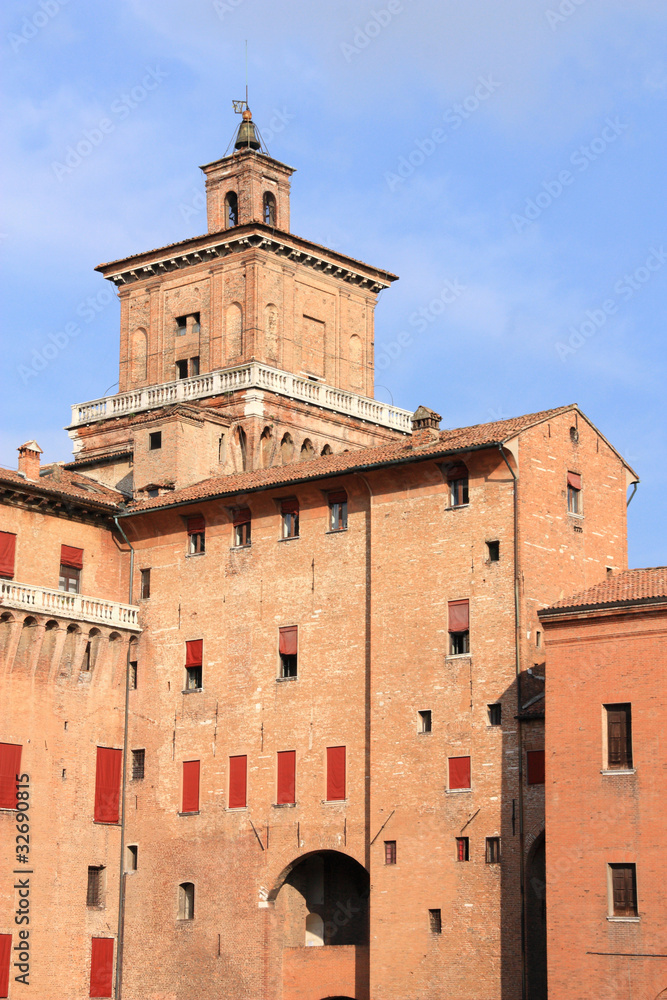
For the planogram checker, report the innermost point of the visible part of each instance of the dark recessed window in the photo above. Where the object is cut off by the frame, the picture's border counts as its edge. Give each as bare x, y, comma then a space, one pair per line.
145, 583
535, 767
193, 664
338, 511
194, 366
242, 522
493, 850
495, 714
138, 764
288, 650
619, 737
390, 852
623, 890
133, 675
462, 849
155, 440
269, 209
181, 326
459, 622
95, 886
435, 921
289, 512
457, 478
231, 210
493, 551
186, 901
196, 535
132, 858
425, 721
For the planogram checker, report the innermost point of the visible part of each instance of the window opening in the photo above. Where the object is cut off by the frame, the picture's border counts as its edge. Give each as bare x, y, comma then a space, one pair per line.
145, 584
181, 326
573, 493
286, 790
457, 477
289, 510
194, 366
132, 860
242, 521
10, 766
196, 535
71, 564
459, 773
133, 675
435, 921
193, 664
462, 849
287, 647
186, 901
269, 209
7, 554
155, 441
231, 210
336, 774
182, 369
459, 622
138, 764
238, 782
493, 551
492, 850
495, 714
94, 889
619, 737
538, 639
390, 852
190, 799
624, 890
535, 767
338, 511
425, 721
85, 664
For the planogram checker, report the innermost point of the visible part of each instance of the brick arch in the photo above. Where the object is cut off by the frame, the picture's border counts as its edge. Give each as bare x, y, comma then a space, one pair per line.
284, 874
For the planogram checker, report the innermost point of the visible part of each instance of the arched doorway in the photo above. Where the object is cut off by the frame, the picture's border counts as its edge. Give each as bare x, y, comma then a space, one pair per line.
536, 920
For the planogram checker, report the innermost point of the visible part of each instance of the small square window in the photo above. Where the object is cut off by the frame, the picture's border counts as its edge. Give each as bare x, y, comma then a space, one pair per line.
623, 890
493, 551
132, 858
181, 369
495, 714
462, 849
435, 921
133, 675
155, 440
138, 764
193, 678
145, 584
493, 850
390, 852
425, 721
95, 888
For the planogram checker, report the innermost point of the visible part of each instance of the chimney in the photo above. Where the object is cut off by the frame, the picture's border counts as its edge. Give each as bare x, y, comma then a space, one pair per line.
29, 459
425, 426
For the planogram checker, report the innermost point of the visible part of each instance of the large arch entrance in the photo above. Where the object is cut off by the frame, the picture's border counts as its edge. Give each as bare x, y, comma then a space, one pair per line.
321, 924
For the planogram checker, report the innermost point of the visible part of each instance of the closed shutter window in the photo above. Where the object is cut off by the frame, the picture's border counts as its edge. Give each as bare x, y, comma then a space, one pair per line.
535, 768
10, 768
336, 773
190, 801
107, 785
5, 959
286, 777
238, 782
101, 967
7, 554
459, 772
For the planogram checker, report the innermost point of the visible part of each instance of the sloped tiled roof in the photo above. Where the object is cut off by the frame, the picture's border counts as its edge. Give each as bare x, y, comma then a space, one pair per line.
633, 586
66, 484
460, 439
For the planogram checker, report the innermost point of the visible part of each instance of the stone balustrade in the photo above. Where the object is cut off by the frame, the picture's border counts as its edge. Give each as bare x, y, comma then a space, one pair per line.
42, 600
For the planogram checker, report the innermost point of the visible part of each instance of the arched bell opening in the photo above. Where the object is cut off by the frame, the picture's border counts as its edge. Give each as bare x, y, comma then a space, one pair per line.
322, 899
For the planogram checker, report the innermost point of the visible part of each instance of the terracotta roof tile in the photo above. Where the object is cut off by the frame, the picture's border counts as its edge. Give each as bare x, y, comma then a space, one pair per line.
60, 482
628, 587
460, 439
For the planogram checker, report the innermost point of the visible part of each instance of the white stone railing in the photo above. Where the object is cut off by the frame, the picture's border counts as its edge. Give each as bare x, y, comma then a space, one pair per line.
250, 376
42, 600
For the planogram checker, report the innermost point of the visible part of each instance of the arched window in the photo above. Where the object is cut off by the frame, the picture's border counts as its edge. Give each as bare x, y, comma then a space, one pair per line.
314, 930
269, 209
266, 447
231, 210
186, 901
286, 449
307, 450
242, 445
326, 450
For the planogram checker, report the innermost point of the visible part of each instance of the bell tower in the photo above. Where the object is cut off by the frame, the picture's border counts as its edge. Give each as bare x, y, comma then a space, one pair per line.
247, 186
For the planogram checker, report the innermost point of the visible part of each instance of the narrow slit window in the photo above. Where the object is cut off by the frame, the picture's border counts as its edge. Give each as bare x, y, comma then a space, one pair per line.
132, 858
145, 584
623, 890
133, 675
619, 737
493, 850
574, 493
435, 921
338, 511
138, 764
85, 663
463, 849
288, 650
186, 901
242, 524
94, 888
390, 852
231, 210
425, 721
269, 209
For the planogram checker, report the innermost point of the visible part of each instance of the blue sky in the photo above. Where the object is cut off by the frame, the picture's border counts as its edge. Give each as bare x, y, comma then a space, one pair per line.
504, 157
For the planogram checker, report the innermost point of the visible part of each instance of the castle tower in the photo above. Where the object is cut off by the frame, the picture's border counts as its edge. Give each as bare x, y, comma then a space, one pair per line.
242, 348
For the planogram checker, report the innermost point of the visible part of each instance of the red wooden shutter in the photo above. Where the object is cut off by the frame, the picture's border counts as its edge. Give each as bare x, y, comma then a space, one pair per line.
288, 640
242, 515
289, 506
193, 652
338, 496
574, 480
286, 777
69, 556
7, 553
5, 959
459, 616
190, 786
459, 772
238, 782
101, 967
196, 524
535, 767
10, 767
107, 786
335, 773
